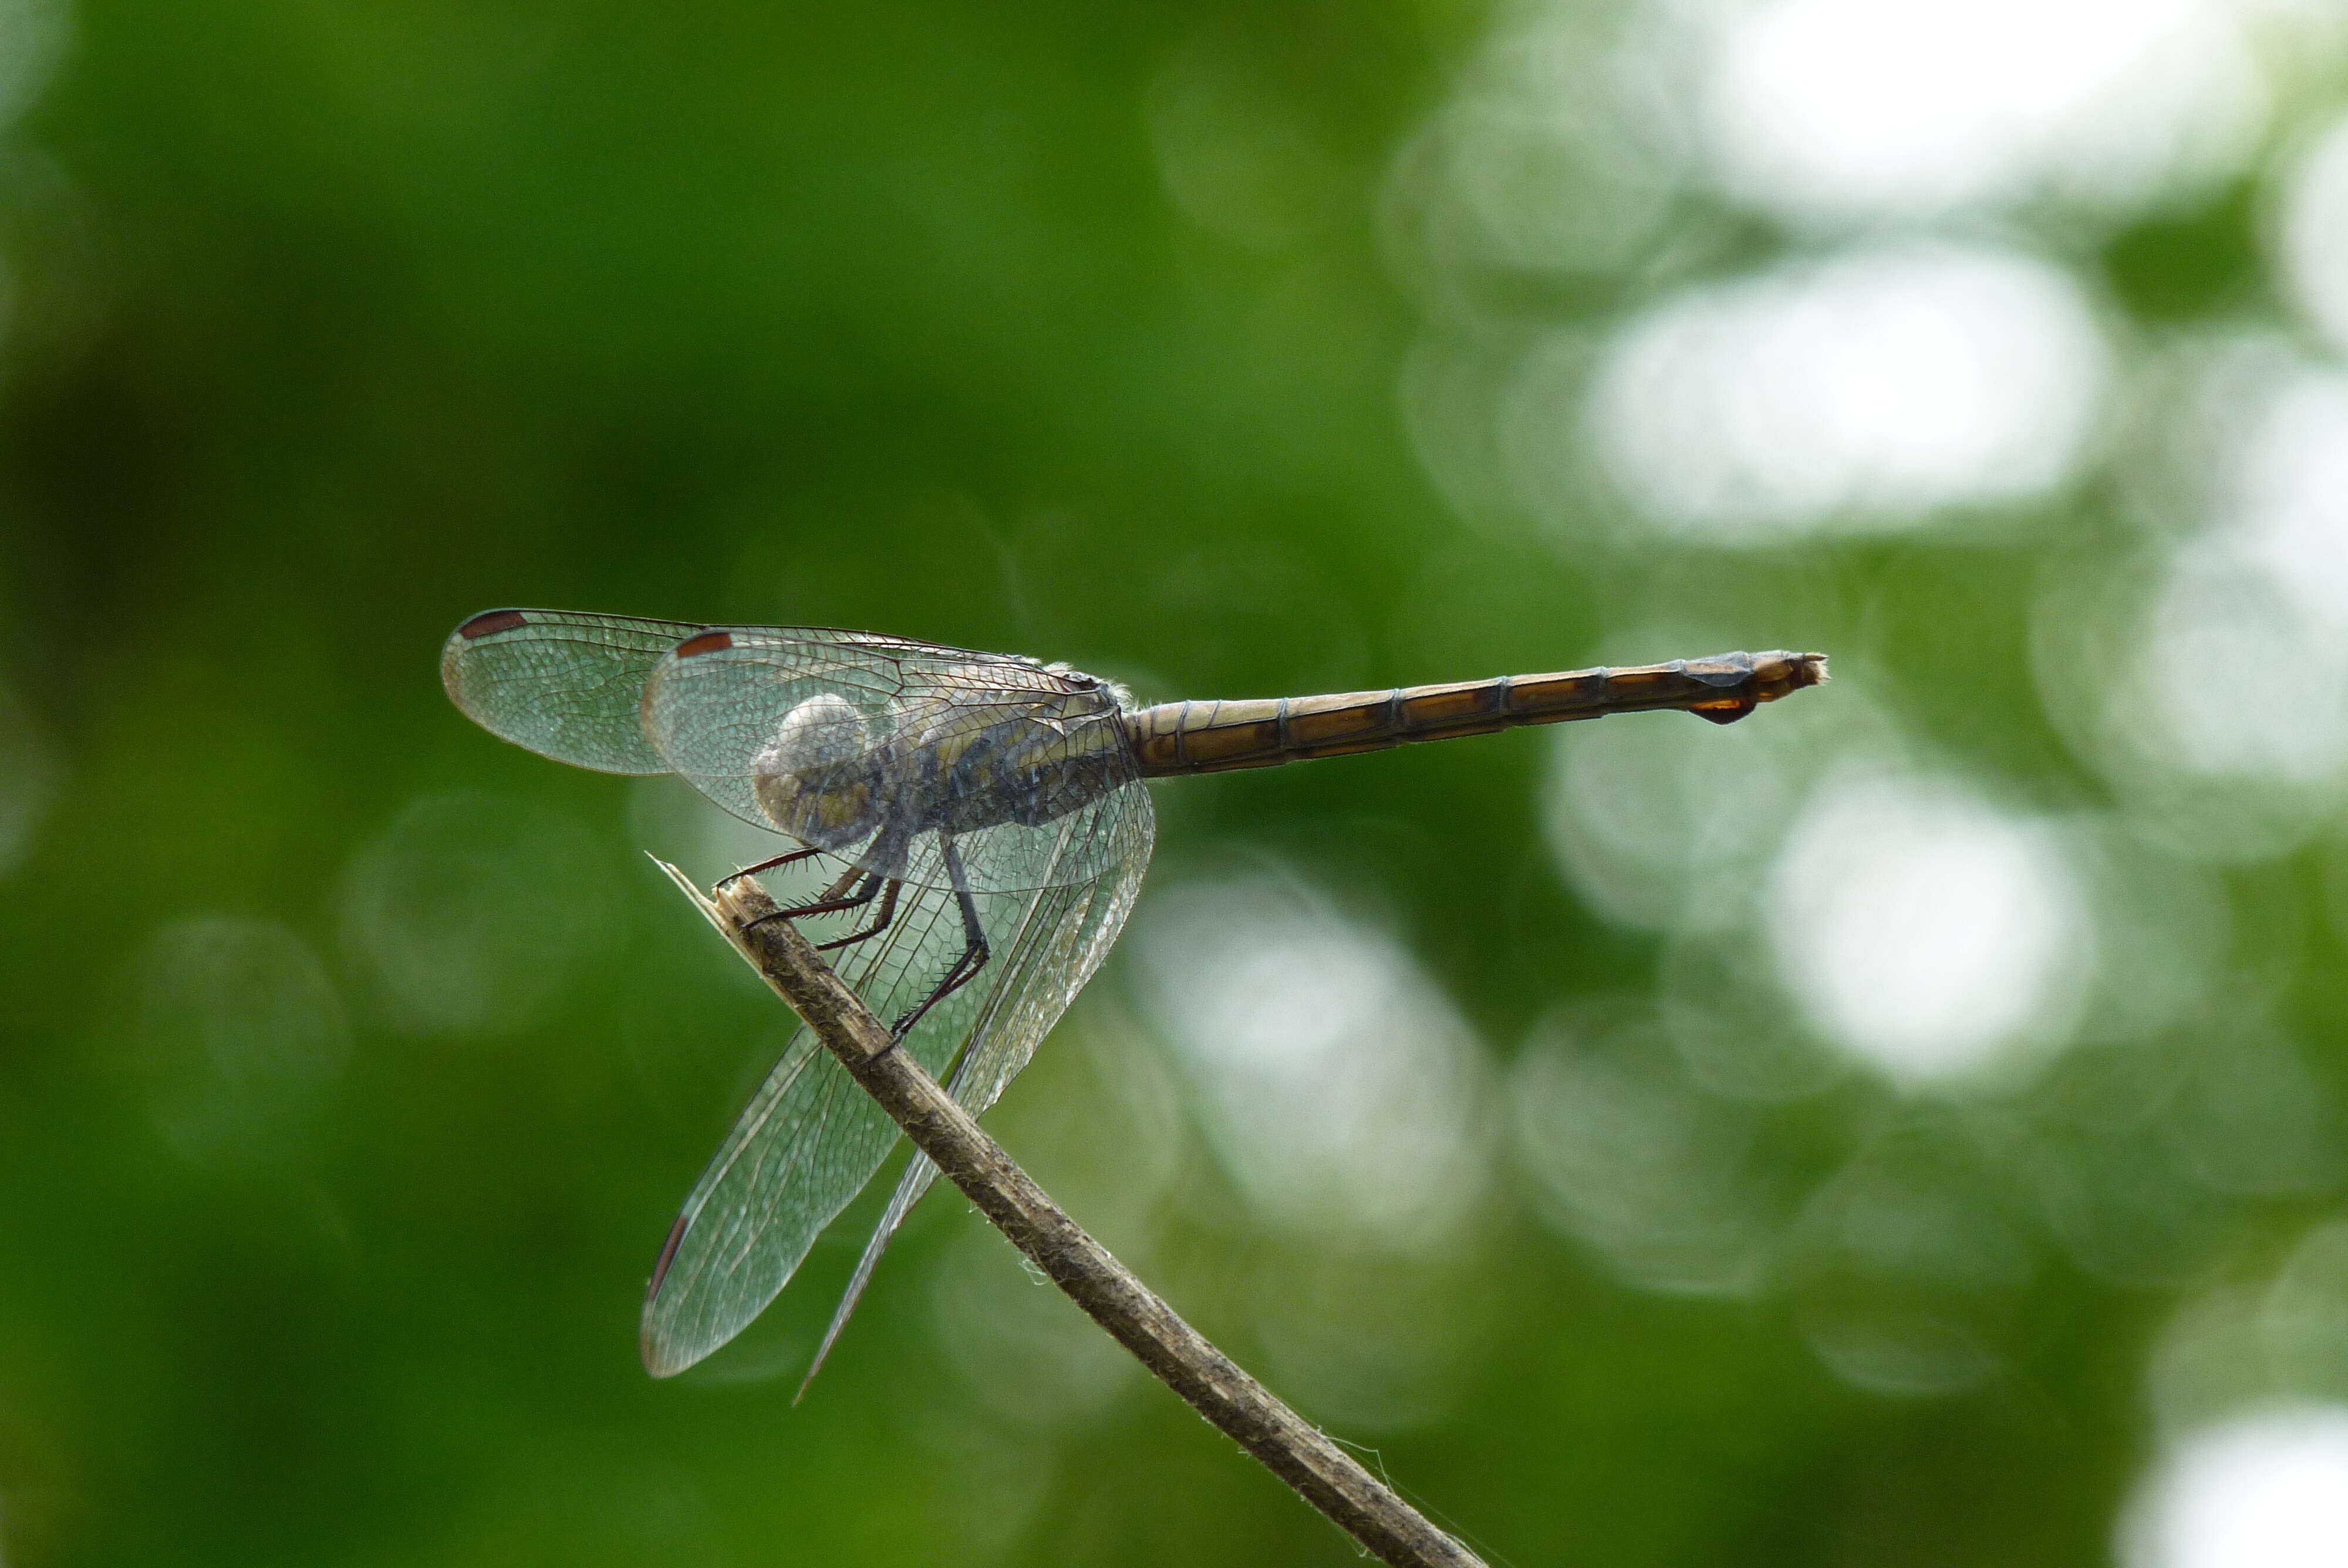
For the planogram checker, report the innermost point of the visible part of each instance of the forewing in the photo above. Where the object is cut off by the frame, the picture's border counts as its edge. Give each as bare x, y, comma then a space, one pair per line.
565, 684
1068, 930
811, 1138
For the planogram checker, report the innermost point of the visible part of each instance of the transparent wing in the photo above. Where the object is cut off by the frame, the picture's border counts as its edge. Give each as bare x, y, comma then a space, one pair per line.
811, 1138
1067, 932
953, 738
806, 1144
567, 685
978, 741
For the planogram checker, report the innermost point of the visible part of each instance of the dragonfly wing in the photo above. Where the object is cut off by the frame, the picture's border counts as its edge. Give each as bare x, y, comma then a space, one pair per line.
806, 1144
1067, 932
566, 685
811, 1138
1014, 745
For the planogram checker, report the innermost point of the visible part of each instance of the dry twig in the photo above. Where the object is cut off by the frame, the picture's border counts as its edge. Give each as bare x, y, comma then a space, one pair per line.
1243, 1408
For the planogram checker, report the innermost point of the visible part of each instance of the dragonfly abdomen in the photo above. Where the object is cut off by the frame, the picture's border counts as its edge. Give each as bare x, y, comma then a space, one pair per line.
1219, 736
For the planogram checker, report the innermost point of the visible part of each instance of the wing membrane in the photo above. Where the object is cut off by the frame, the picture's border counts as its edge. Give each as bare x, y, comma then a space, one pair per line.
566, 685
811, 1138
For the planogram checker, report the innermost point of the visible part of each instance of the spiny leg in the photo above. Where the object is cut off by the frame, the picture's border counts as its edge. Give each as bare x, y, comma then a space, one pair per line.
791, 857
879, 921
974, 951
965, 968
832, 899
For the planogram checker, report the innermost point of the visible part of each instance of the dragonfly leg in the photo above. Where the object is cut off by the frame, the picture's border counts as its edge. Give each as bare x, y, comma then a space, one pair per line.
887, 912
974, 951
792, 859
832, 899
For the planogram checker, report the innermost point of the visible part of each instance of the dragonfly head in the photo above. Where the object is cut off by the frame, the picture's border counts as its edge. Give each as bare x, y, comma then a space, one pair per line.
818, 779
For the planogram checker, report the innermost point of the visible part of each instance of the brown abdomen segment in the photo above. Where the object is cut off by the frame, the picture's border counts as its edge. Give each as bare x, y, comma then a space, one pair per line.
1213, 737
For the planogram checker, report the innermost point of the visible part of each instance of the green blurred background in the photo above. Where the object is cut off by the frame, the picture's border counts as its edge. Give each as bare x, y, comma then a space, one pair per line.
1903, 1129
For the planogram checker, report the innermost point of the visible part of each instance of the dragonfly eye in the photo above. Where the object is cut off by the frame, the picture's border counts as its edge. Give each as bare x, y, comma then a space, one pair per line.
818, 779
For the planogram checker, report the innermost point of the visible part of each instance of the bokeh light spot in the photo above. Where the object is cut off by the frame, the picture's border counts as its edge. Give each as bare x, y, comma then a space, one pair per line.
1238, 161
2221, 631
1563, 151
2173, 670
1925, 932
2314, 232
1905, 1272
2291, 499
1025, 1351
1338, 1084
1366, 1339
28, 772
472, 913
34, 34
2304, 1321
1630, 1158
2266, 1489
2258, 1343
1870, 391
1843, 110
2108, 1178
237, 1035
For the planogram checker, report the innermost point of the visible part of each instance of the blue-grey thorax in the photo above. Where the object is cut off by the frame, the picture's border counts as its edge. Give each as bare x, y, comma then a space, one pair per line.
834, 776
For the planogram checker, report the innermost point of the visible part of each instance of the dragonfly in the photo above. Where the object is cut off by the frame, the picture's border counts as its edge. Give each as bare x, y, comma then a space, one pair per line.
977, 827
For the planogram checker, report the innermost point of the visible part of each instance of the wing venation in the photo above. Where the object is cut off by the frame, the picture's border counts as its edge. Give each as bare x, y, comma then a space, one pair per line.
565, 684
810, 1139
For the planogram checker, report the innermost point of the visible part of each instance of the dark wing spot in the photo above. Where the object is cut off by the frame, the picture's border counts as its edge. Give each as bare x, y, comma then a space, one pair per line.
704, 643
491, 622
655, 1362
668, 1255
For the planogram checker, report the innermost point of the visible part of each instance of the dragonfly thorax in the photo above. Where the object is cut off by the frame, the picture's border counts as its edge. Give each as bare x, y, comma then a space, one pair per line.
818, 779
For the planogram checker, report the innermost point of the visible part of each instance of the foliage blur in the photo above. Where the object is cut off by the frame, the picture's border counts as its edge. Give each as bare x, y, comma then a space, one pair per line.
1904, 1128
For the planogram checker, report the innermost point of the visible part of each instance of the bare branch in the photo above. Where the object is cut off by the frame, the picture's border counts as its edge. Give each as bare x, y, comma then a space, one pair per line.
1243, 1408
